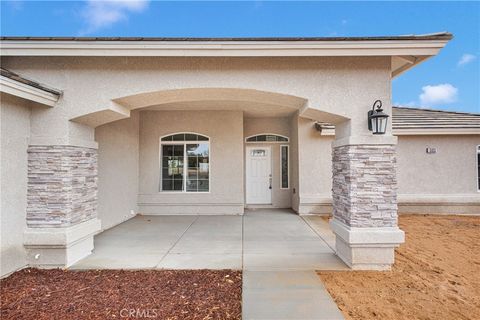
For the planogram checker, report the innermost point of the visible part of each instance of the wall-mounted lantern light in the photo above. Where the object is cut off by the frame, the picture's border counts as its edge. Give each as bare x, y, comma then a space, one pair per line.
377, 120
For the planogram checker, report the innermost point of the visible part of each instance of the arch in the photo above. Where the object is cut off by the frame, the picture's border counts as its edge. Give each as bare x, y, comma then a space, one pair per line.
250, 101
267, 137
184, 136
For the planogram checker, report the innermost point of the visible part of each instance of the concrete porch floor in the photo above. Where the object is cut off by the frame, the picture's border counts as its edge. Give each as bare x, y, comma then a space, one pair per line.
262, 239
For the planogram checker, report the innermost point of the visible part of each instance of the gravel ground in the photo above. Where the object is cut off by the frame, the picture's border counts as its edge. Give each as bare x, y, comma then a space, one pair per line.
436, 275
116, 294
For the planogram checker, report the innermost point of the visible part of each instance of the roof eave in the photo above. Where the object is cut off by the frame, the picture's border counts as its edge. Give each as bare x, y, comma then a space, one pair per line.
216, 48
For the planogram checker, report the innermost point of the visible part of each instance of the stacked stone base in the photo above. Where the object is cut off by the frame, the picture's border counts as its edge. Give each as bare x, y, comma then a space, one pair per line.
365, 205
61, 205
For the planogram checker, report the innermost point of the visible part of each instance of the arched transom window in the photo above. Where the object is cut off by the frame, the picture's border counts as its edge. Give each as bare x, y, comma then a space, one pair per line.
267, 137
185, 162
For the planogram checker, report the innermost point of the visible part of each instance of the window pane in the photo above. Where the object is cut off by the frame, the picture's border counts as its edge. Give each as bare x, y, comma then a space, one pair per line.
262, 138
271, 138
198, 166
168, 138
179, 137
167, 150
284, 157
167, 185
202, 138
252, 139
192, 185
281, 138
203, 185
178, 150
192, 173
178, 185
197, 149
172, 167
191, 137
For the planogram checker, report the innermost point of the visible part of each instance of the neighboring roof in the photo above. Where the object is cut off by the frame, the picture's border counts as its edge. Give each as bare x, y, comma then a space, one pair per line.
419, 121
431, 36
414, 119
12, 75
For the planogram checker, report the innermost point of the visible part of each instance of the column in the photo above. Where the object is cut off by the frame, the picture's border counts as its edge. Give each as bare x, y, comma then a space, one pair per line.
61, 204
365, 201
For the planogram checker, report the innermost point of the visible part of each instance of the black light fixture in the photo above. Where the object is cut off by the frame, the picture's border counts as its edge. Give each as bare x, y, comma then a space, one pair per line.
377, 120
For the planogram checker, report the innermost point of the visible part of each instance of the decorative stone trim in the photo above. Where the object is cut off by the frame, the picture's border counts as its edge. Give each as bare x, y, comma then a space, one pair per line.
365, 185
62, 185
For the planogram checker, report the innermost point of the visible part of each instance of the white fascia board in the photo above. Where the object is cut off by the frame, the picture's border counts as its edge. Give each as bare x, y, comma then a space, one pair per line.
221, 48
25, 91
438, 131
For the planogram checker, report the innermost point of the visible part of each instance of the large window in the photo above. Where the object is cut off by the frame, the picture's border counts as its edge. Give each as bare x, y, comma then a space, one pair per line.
284, 167
185, 162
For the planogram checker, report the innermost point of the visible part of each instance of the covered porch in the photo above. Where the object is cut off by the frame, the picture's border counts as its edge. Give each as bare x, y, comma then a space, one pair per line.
261, 239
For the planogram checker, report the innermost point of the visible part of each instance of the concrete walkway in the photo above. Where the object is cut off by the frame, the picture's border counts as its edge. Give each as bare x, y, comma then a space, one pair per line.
278, 251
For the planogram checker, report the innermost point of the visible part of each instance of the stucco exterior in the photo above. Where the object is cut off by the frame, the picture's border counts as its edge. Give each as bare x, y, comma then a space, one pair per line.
118, 170
97, 144
225, 130
15, 132
443, 182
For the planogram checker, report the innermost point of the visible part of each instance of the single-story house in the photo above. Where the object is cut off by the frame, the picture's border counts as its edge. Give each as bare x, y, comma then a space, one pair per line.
95, 130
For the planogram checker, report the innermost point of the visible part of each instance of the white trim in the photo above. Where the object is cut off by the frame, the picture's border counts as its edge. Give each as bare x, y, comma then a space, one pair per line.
268, 134
247, 153
25, 91
416, 47
185, 162
436, 131
288, 166
60, 236
184, 132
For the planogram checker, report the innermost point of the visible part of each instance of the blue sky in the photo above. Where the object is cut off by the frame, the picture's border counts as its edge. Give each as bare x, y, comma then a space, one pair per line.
450, 81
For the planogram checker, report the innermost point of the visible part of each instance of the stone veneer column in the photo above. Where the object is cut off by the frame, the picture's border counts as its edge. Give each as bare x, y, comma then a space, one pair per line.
61, 204
365, 205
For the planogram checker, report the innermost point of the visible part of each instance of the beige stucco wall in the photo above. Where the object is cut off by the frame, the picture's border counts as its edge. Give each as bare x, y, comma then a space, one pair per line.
225, 129
294, 180
346, 86
281, 198
438, 183
444, 182
118, 152
15, 131
315, 169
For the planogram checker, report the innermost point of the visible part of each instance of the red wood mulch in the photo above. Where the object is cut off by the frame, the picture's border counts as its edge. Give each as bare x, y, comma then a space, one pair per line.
118, 294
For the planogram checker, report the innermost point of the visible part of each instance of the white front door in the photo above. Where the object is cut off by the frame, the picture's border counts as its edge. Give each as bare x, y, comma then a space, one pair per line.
259, 175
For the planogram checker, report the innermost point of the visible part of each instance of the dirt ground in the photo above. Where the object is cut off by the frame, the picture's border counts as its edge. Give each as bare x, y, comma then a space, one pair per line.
163, 294
436, 275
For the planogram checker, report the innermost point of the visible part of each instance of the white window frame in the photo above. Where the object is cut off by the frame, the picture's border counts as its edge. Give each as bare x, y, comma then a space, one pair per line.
185, 162
288, 166
268, 134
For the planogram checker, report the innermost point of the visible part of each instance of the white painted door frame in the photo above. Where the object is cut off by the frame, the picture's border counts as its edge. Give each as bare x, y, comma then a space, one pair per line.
258, 173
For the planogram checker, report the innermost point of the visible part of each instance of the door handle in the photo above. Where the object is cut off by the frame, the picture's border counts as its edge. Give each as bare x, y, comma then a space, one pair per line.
270, 183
